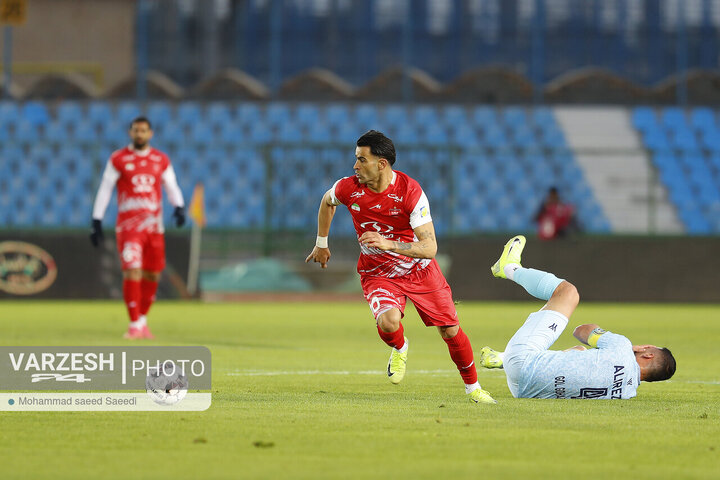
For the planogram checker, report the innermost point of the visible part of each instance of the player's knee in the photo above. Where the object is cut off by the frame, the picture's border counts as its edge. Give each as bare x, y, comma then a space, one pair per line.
568, 292
132, 274
389, 321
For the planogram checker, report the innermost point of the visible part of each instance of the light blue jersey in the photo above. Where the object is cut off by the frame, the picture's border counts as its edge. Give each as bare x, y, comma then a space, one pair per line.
608, 372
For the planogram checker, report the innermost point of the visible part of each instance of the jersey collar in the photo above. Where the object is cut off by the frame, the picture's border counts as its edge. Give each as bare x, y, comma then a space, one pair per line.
141, 153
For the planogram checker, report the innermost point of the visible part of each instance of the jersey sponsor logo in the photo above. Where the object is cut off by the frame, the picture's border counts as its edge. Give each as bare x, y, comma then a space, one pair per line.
155, 158
357, 194
553, 327
129, 167
630, 382
381, 228
143, 183
618, 380
424, 212
376, 207
137, 203
559, 388
592, 393
395, 197
395, 211
25, 269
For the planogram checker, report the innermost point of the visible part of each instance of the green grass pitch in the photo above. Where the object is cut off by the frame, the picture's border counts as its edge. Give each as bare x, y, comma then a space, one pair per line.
299, 391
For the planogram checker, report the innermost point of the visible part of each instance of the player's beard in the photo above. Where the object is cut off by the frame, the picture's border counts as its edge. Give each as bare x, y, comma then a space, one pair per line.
139, 146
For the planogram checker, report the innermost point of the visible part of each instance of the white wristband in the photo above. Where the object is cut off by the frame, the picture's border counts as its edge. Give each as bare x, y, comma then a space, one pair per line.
321, 242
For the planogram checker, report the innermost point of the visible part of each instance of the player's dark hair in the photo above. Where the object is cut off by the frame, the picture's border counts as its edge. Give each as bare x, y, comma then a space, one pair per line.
141, 119
663, 367
380, 145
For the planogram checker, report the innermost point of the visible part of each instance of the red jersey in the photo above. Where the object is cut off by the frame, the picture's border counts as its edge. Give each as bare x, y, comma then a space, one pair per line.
393, 213
138, 176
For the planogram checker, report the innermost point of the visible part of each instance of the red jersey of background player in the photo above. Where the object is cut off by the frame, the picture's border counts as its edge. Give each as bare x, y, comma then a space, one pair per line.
139, 176
393, 213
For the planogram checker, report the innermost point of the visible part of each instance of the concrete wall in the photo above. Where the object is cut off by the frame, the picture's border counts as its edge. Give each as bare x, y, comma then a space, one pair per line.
642, 269
93, 31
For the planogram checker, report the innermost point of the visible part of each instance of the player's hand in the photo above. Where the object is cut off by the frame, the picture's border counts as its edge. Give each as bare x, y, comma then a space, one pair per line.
179, 216
642, 348
96, 234
375, 240
319, 255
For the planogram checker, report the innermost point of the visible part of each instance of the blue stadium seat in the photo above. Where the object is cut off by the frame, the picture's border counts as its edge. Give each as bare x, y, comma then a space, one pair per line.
673, 117
495, 137
56, 132
26, 132
644, 118
710, 140
684, 139
232, 134
70, 113
9, 113
173, 135
703, 118
189, 114
426, 116
320, 132
277, 114
656, 140
464, 136
337, 114
366, 117
484, 117
127, 111
248, 114
454, 116
436, 135
306, 115
99, 113
35, 113
395, 115
219, 114
159, 114
514, 116
202, 134
542, 118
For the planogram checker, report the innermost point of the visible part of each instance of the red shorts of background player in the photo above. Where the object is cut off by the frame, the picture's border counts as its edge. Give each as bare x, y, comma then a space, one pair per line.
142, 250
427, 288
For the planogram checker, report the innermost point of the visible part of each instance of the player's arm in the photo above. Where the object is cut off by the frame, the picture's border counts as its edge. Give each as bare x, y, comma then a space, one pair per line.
589, 334
424, 247
321, 253
175, 196
102, 200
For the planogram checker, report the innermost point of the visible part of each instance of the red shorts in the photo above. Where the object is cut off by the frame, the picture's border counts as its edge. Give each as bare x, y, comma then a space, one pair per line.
141, 250
427, 288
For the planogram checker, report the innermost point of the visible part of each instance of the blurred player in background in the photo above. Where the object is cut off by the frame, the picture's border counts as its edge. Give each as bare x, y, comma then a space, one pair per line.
555, 218
392, 219
138, 170
613, 369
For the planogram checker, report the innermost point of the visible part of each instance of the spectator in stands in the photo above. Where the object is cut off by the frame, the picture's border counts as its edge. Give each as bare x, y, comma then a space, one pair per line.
555, 218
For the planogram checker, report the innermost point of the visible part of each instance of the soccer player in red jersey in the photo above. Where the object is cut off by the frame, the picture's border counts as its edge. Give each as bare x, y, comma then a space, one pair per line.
138, 170
392, 219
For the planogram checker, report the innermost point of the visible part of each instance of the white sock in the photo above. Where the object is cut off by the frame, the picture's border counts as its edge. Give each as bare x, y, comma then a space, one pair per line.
510, 270
473, 386
141, 322
404, 347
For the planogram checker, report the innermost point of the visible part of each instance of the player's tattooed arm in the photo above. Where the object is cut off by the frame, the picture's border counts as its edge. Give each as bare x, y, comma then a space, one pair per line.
424, 247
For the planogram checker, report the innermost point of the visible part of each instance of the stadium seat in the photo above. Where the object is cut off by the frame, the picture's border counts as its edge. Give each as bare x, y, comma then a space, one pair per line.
248, 114
514, 116
366, 117
277, 114
306, 115
70, 113
395, 116
56, 132
673, 117
644, 118
484, 117
159, 114
99, 113
35, 113
219, 114
127, 111
337, 114
188, 114
703, 118
26, 132
426, 116
454, 116
9, 113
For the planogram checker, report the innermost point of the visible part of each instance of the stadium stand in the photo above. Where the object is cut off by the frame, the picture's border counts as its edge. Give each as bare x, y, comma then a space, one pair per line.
685, 149
485, 168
